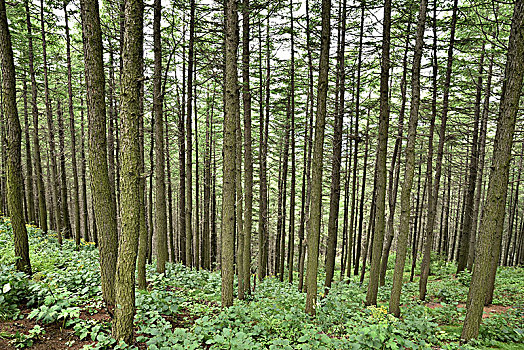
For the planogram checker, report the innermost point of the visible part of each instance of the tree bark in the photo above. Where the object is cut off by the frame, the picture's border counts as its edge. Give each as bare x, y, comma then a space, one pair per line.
50, 132
371, 296
433, 192
231, 112
472, 177
14, 147
409, 171
103, 205
160, 185
248, 153
40, 189
334, 198
313, 236
131, 114
494, 209
76, 198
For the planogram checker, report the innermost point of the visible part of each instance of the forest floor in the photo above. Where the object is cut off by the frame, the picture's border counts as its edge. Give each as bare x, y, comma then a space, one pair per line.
61, 307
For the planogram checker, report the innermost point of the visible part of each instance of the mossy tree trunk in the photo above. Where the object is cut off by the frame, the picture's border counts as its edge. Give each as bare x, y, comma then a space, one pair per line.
130, 115
104, 206
492, 221
14, 146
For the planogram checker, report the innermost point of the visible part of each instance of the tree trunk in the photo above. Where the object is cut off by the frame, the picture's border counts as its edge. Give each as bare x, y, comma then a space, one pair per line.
50, 131
63, 183
30, 195
307, 172
334, 198
482, 156
248, 156
262, 220
494, 208
83, 187
292, 194
409, 171
103, 205
132, 75
371, 297
76, 199
394, 171
160, 186
189, 141
313, 236
40, 189
231, 112
14, 147
433, 192
472, 179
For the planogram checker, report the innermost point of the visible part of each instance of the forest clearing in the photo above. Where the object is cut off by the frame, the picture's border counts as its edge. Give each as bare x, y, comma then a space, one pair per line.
301, 174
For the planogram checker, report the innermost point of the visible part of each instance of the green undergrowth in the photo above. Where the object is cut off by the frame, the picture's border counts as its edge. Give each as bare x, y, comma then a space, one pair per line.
181, 308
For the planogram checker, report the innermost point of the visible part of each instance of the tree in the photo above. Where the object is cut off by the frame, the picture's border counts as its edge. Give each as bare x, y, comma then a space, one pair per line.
380, 167
409, 171
42, 210
248, 156
189, 148
104, 206
160, 190
494, 208
76, 201
14, 146
130, 115
231, 110
313, 235
334, 198
433, 193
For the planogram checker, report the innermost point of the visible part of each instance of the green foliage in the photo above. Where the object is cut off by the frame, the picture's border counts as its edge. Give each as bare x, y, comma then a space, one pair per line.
181, 310
13, 290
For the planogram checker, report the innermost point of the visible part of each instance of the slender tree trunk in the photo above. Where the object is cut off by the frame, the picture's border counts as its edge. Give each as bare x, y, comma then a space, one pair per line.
76, 199
371, 297
482, 156
189, 141
248, 155
14, 147
409, 171
494, 209
361, 211
40, 189
160, 186
83, 187
415, 226
394, 171
313, 236
238, 205
143, 236
130, 162
433, 193
63, 183
472, 177
262, 220
231, 112
334, 200
170, 226
50, 126
30, 195
292, 194
307, 175
103, 205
